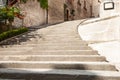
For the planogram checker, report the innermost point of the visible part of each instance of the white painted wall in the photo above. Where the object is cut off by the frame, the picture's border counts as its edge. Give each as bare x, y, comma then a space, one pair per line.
105, 30
106, 13
111, 50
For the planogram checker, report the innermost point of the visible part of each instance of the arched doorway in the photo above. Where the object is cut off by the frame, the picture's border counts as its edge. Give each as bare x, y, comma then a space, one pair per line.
66, 15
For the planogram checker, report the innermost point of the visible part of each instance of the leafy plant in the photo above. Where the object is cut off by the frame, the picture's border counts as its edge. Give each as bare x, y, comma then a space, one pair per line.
8, 14
43, 3
12, 33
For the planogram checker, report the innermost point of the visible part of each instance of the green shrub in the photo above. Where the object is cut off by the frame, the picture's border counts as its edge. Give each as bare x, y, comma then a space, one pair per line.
43, 3
12, 33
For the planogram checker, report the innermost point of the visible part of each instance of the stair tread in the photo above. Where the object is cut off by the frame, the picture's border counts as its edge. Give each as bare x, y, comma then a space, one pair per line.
56, 62
50, 55
89, 58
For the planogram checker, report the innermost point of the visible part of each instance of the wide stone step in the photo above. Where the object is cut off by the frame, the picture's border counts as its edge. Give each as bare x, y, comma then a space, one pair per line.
59, 38
41, 45
63, 48
16, 48
58, 74
58, 44
48, 48
93, 58
55, 41
62, 36
64, 32
46, 44
50, 52
53, 44
58, 65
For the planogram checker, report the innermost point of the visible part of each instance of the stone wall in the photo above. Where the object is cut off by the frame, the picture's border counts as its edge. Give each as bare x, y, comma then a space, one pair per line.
96, 8
101, 29
55, 11
35, 15
84, 9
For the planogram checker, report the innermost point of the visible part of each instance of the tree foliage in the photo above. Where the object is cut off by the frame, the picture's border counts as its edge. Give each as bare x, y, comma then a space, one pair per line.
43, 3
24, 1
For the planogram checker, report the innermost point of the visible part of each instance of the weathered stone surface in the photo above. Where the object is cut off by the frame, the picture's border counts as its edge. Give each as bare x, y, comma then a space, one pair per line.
55, 11
79, 9
35, 15
27, 64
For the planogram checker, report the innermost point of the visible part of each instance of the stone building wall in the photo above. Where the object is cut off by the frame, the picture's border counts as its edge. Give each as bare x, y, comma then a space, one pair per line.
55, 11
83, 8
35, 15
96, 8
58, 11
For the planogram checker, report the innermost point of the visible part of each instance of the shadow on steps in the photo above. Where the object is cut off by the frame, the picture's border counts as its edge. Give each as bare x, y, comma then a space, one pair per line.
52, 74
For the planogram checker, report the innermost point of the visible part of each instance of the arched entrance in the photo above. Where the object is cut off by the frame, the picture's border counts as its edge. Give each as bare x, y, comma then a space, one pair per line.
66, 15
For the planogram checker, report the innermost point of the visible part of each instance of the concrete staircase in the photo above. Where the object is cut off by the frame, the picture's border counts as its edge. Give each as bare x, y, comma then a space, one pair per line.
60, 54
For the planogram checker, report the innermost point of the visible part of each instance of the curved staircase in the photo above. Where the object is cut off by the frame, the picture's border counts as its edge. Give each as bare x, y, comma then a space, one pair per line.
59, 54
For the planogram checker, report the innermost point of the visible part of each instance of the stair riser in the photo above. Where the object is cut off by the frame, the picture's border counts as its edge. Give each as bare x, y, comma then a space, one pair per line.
57, 44
33, 76
32, 58
65, 53
62, 38
44, 44
31, 46
59, 66
48, 53
49, 48
63, 48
